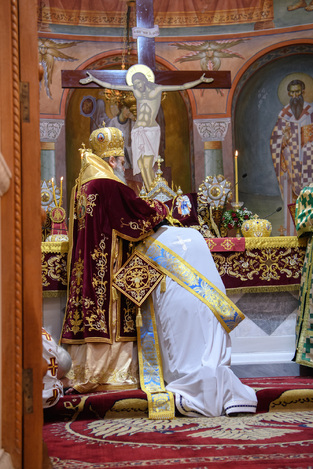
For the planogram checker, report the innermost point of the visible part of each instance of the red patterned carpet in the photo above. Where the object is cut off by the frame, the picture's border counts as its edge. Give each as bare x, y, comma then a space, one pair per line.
111, 430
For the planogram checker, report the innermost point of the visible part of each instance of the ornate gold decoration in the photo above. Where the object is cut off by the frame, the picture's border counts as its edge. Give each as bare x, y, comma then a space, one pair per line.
58, 214
267, 265
84, 204
97, 320
75, 321
57, 247
122, 98
214, 190
53, 269
275, 242
50, 195
142, 225
55, 228
213, 195
250, 243
119, 97
159, 188
239, 430
107, 141
137, 278
129, 313
256, 227
228, 244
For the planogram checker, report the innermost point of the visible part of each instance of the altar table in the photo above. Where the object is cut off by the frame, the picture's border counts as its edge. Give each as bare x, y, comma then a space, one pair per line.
245, 264
261, 275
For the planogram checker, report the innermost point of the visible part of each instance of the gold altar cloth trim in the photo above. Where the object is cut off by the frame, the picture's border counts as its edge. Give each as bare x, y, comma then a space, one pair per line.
55, 247
275, 242
251, 243
263, 289
53, 293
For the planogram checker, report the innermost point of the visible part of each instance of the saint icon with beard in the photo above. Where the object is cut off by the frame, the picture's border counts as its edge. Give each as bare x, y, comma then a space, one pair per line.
292, 142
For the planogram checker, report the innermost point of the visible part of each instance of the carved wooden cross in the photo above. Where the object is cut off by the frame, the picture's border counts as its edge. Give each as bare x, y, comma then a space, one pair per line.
146, 56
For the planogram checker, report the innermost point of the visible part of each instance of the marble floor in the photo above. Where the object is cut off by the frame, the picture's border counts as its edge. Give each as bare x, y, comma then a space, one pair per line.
267, 370
264, 343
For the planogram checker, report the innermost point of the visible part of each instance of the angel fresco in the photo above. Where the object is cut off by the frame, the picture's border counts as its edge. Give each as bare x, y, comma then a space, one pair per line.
209, 53
49, 51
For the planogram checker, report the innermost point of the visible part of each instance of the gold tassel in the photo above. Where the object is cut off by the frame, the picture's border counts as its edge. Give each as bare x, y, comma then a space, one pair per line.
163, 284
138, 318
114, 294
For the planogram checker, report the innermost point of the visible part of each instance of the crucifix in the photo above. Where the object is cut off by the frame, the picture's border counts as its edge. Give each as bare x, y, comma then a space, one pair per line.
147, 85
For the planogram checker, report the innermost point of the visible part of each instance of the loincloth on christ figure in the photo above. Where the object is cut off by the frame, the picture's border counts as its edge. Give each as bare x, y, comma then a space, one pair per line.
145, 141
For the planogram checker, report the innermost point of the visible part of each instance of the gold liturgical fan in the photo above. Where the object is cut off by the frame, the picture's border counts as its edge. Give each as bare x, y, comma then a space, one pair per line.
136, 279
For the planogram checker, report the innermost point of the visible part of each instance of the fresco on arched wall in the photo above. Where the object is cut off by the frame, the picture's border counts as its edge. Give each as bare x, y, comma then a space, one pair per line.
175, 145
65, 42
261, 99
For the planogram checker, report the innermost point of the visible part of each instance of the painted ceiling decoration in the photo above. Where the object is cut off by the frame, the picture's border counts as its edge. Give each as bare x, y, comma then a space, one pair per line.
167, 14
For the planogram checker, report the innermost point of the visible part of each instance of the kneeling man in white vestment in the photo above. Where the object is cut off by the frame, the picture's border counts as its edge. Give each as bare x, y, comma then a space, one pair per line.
193, 318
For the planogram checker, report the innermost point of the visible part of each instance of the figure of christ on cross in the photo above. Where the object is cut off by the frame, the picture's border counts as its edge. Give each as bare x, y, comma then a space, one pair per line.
146, 133
148, 93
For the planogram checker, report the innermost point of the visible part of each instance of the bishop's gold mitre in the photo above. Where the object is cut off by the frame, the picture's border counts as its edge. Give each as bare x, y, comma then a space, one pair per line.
107, 141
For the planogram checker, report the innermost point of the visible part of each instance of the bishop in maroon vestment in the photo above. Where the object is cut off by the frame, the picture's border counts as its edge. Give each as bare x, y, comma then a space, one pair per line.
106, 217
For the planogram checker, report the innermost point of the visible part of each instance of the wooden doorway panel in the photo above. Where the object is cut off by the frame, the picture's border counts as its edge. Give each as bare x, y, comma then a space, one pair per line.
21, 420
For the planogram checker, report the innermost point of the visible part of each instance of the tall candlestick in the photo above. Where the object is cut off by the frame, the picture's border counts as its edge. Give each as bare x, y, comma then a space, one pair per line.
61, 191
236, 177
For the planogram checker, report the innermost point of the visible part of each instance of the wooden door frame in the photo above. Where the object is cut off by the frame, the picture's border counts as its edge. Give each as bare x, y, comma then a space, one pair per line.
21, 299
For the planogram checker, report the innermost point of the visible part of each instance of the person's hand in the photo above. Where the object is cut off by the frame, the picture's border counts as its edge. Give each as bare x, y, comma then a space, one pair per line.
206, 80
84, 81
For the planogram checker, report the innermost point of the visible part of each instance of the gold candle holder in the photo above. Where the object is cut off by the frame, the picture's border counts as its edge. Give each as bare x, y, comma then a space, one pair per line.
236, 206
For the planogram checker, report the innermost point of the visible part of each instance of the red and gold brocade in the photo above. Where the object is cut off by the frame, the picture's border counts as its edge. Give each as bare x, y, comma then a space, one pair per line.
107, 216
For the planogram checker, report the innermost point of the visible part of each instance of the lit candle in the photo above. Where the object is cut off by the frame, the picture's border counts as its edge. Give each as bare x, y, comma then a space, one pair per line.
53, 192
61, 192
236, 177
